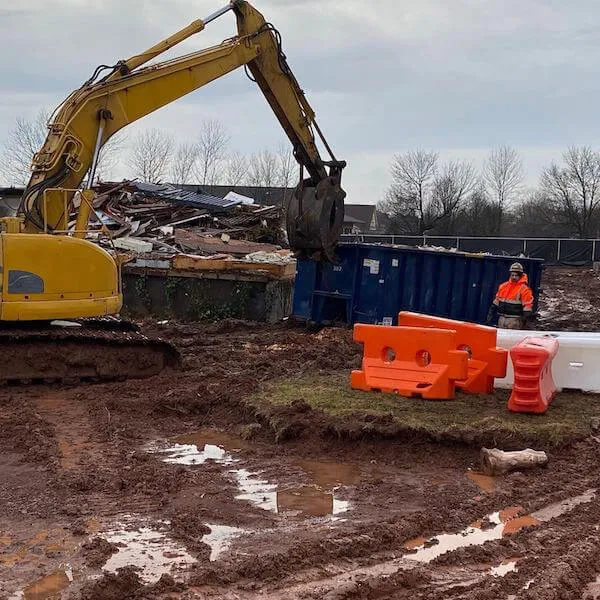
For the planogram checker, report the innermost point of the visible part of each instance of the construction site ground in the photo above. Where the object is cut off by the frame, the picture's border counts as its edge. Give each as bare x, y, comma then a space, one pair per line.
254, 472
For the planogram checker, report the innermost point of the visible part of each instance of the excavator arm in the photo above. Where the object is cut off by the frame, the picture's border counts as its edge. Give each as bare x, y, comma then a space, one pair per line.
129, 91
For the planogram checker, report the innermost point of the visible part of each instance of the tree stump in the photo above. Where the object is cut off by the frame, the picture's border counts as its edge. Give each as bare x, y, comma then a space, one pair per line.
496, 462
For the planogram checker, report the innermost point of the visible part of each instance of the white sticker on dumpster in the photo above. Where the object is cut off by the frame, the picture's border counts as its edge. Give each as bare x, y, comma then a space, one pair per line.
372, 264
395, 262
387, 321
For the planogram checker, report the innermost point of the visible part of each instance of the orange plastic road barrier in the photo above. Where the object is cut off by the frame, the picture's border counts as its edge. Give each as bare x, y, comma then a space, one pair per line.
486, 361
534, 388
411, 361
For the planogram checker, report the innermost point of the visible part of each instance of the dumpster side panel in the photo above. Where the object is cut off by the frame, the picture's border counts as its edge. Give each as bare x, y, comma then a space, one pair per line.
372, 283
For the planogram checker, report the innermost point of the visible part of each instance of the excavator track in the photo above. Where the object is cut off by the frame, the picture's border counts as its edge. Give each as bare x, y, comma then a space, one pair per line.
92, 350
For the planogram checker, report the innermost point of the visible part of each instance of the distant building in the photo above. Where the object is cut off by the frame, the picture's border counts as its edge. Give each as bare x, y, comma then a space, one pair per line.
360, 218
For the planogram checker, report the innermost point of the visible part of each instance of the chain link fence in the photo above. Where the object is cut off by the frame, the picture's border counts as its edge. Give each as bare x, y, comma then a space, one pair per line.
555, 251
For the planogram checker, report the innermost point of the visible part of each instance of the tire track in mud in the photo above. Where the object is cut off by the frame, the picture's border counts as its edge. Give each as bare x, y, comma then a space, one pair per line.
73, 430
462, 577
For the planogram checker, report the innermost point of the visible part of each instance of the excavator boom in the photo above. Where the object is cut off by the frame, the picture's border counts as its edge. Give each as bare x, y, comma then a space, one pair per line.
49, 272
103, 106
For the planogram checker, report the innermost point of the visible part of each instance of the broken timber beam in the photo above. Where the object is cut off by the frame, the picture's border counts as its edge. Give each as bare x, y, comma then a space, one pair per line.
496, 462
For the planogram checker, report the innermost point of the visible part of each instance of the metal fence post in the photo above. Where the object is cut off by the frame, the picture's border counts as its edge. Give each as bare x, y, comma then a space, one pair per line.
558, 251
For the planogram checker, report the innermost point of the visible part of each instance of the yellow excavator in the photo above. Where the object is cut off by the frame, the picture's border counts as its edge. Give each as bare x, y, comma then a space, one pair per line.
50, 272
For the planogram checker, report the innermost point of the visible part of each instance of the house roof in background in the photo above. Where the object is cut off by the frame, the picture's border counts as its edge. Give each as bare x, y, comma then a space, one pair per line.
363, 213
350, 219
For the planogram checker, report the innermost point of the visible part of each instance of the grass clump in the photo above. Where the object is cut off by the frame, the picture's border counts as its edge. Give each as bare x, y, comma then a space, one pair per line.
471, 419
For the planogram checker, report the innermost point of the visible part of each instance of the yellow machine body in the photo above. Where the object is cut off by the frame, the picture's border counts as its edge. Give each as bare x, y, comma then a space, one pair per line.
47, 277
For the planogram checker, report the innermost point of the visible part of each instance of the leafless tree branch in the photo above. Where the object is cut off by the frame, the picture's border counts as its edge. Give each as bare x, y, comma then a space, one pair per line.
151, 153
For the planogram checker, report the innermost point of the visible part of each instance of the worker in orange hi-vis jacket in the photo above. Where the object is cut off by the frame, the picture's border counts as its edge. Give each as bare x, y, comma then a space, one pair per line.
513, 302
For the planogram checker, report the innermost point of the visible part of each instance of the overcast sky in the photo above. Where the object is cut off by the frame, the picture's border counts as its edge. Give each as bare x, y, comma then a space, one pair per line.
384, 76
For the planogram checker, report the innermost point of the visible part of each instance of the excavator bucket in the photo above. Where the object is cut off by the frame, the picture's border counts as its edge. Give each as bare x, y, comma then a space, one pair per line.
314, 218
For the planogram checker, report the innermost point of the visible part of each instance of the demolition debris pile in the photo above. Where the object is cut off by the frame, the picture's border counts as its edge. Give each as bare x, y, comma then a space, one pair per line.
163, 221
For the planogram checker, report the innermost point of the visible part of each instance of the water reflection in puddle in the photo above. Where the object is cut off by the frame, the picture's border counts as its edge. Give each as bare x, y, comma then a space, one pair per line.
560, 508
328, 475
189, 454
148, 549
305, 501
503, 523
506, 566
49, 587
219, 539
301, 502
471, 536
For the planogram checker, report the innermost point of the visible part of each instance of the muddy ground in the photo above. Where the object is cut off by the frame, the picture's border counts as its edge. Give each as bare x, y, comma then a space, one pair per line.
570, 299
178, 487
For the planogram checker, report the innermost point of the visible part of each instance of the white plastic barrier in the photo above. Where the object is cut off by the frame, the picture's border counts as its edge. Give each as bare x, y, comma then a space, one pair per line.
576, 366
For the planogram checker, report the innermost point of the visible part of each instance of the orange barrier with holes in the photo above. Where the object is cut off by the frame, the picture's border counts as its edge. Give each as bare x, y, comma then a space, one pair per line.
486, 361
534, 388
411, 361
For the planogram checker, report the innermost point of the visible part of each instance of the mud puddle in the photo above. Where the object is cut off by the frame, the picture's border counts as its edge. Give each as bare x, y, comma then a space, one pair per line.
147, 548
502, 523
508, 565
499, 523
49, 587
316, 500
506, 522
484, 482
219, 539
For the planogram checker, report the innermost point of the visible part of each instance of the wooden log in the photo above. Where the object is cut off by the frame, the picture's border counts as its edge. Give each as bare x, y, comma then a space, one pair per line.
496, 462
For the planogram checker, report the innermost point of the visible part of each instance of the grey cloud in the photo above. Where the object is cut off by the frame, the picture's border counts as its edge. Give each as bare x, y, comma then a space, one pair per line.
382, 75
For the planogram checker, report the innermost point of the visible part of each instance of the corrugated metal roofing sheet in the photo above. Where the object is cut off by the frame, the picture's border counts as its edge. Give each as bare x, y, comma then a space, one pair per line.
176, 195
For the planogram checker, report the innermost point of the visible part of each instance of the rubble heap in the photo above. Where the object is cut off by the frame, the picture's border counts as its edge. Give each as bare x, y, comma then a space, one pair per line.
162, 222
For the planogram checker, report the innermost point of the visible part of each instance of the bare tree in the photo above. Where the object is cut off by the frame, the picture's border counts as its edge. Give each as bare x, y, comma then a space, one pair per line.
574, 188
28, 136
150, 156
212, 147
503, 175
408, 198
537, 216
235, 169
263, 169
287, 166
184, 162
110, 155
23, 141
451, 187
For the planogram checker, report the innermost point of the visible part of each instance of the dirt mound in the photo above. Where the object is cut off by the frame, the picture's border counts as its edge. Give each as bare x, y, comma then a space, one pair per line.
97, 551
114, 586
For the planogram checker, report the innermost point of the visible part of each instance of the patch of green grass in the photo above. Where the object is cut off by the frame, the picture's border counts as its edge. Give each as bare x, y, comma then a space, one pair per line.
469, 418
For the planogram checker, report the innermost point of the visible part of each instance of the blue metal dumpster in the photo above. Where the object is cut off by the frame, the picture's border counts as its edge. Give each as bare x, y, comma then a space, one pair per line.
372, 283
